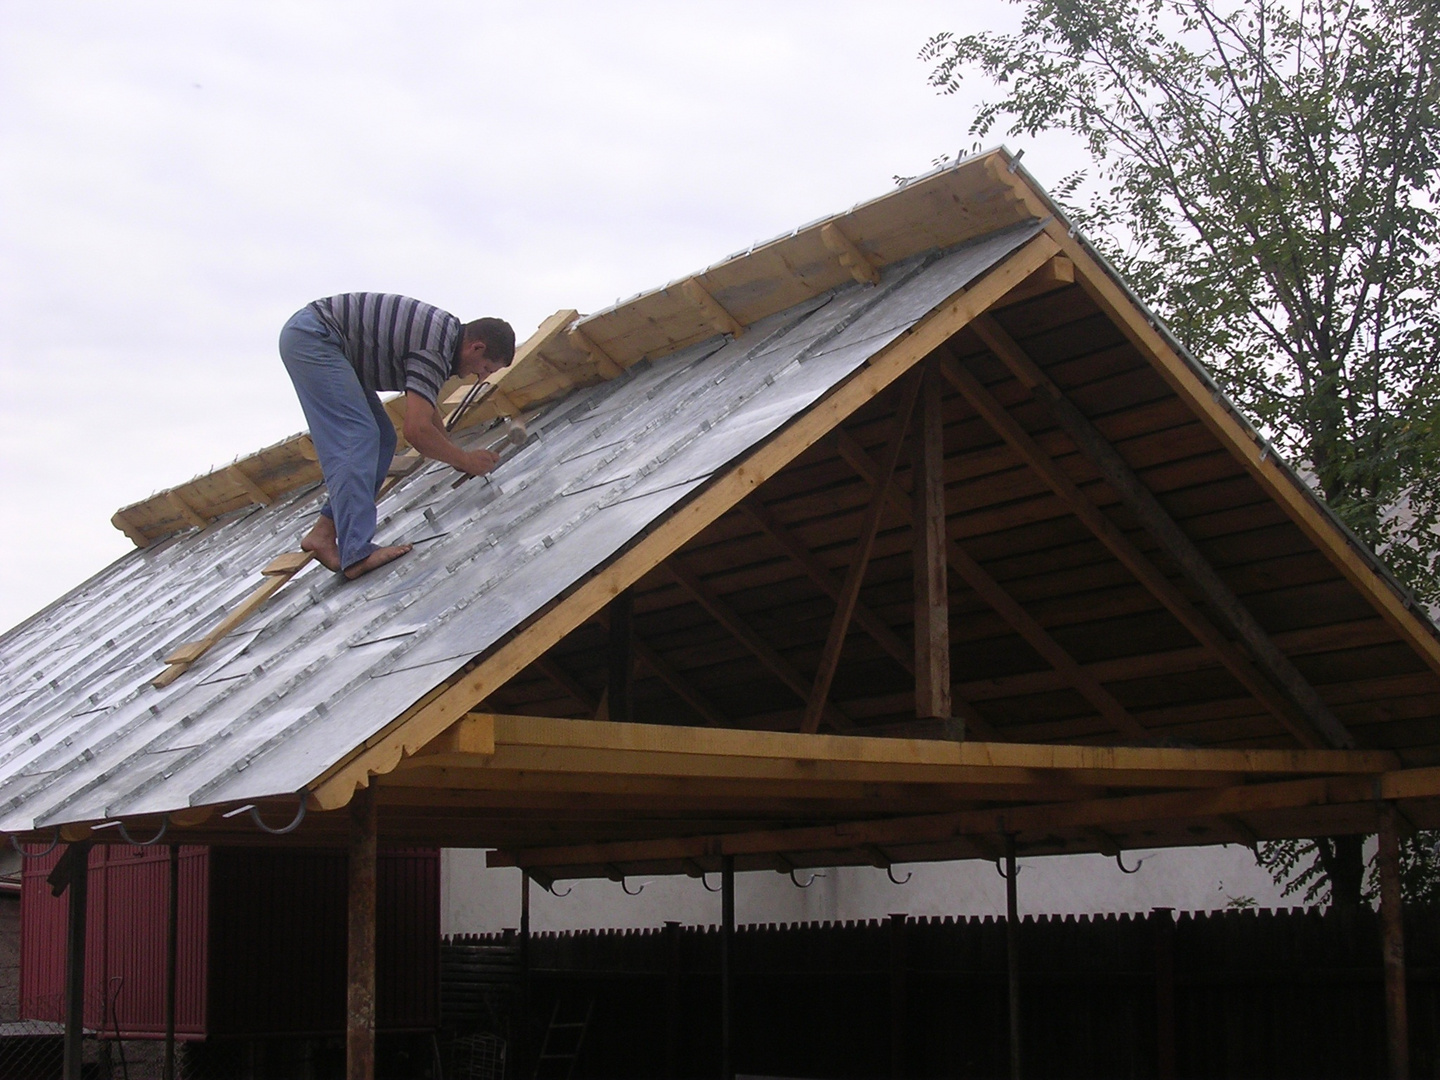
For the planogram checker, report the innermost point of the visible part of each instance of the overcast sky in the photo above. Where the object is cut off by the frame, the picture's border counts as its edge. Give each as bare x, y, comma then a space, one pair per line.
177, 178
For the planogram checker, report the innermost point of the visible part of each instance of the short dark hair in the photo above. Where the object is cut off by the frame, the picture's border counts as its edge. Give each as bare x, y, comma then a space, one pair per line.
498, 336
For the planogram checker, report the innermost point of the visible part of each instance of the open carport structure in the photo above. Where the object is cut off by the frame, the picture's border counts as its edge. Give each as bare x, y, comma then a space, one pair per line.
907, 535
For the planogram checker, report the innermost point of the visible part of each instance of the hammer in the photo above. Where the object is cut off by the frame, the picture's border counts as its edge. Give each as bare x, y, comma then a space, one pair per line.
513, 434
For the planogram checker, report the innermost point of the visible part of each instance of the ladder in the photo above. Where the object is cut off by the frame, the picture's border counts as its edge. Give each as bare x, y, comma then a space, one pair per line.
564, 1038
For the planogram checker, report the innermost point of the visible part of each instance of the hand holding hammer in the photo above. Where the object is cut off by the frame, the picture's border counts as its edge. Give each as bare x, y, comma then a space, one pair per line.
512, 434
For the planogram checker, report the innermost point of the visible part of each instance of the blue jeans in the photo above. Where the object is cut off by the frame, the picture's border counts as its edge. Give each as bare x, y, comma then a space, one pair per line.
353, 436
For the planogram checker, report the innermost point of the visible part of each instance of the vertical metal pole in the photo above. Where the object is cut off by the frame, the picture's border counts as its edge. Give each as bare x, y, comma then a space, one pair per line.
727, 935
78, 888
360, 968
172, 949
1392, 944
1012, 953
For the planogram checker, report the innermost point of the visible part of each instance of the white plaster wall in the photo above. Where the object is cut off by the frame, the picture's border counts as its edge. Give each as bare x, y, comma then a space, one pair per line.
476, 899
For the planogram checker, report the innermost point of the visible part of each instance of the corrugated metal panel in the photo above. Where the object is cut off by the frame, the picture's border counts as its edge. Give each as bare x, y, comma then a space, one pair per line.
261, 941
328, 664
125, 941
407, 993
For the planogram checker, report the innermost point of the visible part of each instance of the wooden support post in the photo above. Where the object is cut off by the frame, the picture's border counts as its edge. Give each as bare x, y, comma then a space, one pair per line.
897, 995
172, 958
1163, 921
1012, 954
727, 940
360, 968
860, 558
932, 600
76, 883
1003, 604
621, 658
1296, 703
672, 999
1392, 945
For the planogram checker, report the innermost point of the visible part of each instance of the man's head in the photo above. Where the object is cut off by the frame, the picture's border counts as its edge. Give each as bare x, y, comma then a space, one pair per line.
487, 346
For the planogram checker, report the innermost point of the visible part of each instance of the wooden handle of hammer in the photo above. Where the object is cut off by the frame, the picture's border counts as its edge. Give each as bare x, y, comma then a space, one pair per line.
513, 435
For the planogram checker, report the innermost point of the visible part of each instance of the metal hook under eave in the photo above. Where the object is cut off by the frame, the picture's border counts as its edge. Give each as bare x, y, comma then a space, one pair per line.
796, 881
1001, 870
36, 854
1119, 861
551, 889
626, 889
890, 873
164, 828
299, 817
717, 888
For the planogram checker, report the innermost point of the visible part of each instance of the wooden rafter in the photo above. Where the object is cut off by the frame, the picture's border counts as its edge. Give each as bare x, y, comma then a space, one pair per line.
1006, 606
712, 310
1163, 528
604, 363
249, 486
850, 256
556, 673
743, 632
932, 593
666, 673
765, 519
1148, 574
860, 558
620, 657
430, 715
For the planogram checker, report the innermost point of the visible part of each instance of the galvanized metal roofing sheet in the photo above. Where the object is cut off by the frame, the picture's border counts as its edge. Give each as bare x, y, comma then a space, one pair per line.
327, 664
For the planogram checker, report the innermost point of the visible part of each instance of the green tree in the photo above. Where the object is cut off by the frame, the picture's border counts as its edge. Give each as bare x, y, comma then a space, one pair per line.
1265, 174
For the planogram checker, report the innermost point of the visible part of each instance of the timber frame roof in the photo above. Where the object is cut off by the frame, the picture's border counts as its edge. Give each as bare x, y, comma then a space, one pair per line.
924, 475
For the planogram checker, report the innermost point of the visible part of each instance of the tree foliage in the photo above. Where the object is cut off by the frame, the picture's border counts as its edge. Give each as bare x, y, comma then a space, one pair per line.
1318, 870
1265, 175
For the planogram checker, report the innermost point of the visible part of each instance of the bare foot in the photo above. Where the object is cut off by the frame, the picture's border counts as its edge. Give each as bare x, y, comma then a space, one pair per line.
320, 540
376, 559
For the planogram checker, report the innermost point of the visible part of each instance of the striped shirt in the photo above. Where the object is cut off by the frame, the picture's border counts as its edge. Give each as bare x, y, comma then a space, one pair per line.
394, 342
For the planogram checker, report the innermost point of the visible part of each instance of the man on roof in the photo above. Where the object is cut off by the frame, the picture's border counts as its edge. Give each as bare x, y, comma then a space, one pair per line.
339, 352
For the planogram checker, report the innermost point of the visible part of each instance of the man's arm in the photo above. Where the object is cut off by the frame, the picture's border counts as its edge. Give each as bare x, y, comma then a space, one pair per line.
425, 431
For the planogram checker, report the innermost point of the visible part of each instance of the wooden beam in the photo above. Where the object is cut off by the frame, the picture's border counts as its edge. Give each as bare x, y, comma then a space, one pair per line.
360, 939
980, 824
620, 658
851, 257
764, 519
1007, 607
711, 309
1297, 721
860, 558
567, 682
439, 708
932, 591
604, 363
761, 649
249, 486
181, 660
708, 710
1162, 527
136, 535
1058, 273
185, 510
